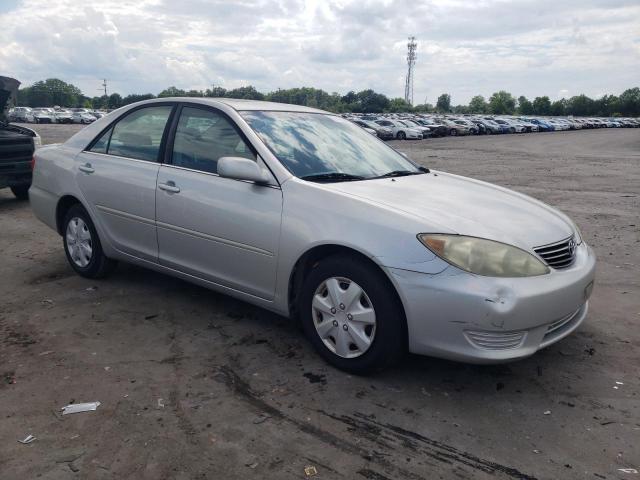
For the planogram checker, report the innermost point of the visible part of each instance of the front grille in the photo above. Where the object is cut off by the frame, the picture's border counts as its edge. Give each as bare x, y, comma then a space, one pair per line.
558, 255
495, 340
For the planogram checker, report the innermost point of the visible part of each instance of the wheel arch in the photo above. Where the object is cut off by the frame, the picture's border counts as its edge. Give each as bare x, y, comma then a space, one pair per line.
309, 259
63, 206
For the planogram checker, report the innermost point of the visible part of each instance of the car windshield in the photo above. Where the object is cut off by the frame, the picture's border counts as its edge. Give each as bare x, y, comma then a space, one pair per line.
313, 144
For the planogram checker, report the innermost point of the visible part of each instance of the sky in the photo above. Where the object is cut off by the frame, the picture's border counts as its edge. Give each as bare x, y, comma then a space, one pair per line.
465, 47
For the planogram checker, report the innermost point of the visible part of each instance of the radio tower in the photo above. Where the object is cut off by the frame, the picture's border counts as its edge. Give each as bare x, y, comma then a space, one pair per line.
412, 46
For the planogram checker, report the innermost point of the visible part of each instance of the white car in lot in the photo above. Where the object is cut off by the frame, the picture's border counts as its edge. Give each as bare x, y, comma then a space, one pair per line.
558, 125
305, 214
400, 130
82, 117
21, 114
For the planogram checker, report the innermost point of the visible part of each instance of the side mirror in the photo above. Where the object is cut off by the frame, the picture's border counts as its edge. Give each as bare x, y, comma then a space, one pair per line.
240, 168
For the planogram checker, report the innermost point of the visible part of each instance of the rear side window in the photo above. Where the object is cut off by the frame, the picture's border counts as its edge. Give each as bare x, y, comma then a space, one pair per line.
139, 134
203, 137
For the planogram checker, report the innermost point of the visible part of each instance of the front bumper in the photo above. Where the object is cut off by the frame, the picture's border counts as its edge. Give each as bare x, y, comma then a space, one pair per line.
466, 317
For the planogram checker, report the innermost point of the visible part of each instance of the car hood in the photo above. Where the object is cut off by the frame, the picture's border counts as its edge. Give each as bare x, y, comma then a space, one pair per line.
8, 90
453, 204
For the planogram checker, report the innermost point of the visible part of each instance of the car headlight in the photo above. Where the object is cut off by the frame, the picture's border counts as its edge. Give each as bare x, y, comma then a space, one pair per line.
483, 257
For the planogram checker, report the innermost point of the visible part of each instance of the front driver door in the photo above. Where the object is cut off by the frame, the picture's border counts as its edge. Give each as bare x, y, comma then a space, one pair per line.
223, 230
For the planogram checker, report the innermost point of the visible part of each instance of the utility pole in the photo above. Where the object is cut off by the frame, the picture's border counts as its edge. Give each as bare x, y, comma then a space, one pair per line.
104, 85
412, 47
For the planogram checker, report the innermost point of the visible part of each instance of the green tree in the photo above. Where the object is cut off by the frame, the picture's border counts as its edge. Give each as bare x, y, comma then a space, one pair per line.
607, 105
559, 107
525, 107
542, 105
398, 105
172, 92
248, 93
115, 100
369, 102
134, 97
502, 103
629, 102
461, 109
49, 93
478, 105
218, 92
423, 108
580, 105
443, 105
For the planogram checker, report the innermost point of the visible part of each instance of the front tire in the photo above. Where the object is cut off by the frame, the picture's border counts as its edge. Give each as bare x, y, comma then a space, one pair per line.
82, 245
453, 132
21, 192
351, 315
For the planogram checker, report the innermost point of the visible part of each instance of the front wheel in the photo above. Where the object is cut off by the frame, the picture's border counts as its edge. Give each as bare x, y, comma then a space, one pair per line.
453, 132
351, 315
82, 245
21, 192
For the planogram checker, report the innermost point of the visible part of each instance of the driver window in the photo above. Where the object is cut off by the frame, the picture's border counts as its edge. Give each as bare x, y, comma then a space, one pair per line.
204, 136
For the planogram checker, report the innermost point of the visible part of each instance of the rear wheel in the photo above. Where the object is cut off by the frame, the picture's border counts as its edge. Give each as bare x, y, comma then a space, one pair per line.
82, 245
21, 192
453, 132
351, 315
401, 135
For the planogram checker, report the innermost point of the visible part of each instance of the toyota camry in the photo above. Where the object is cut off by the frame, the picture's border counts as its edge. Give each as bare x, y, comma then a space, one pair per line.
303, 213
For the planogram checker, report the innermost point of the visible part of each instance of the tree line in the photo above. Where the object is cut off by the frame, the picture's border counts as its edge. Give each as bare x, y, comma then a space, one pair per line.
53, 91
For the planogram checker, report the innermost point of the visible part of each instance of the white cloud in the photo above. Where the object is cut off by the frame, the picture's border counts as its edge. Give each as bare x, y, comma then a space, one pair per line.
530, 48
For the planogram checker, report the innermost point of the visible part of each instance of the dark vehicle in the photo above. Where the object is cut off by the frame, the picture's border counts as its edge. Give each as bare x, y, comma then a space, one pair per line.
437, 129
454, 128
383, 133
490, 127
17, 145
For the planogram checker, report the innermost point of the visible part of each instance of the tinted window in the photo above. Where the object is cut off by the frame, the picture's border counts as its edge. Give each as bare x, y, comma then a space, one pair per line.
103, 142
203, 137
138, 135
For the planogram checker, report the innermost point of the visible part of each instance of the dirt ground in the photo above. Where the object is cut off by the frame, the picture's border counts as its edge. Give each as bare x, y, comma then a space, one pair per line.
196, 385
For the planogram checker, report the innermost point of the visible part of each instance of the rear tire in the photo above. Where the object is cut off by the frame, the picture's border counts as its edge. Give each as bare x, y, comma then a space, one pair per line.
402, 136
21, 192
453, 132
82, 245
365, 330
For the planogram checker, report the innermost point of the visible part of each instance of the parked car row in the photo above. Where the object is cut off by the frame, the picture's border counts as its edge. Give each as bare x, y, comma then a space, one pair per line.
419, 126
54, 115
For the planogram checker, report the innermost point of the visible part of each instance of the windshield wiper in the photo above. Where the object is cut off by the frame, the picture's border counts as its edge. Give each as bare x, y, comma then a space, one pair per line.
332, 177
400, 173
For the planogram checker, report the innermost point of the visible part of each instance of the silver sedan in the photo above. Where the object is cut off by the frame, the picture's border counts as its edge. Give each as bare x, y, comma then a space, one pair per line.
303, 213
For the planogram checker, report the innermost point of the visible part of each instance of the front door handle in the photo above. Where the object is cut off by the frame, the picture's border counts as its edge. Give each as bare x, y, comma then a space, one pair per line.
169, 187
86, 168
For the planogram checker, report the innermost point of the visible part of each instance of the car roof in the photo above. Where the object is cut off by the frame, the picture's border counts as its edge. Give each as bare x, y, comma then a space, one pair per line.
241, 104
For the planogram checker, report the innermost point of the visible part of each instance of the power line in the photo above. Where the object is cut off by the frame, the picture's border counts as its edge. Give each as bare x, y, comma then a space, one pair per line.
412, 47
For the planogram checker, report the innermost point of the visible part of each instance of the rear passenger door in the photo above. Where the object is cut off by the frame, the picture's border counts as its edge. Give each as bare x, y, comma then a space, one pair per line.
223, 230
117, 174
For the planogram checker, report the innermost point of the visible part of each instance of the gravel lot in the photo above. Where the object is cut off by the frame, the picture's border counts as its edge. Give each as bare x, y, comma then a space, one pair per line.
197, 385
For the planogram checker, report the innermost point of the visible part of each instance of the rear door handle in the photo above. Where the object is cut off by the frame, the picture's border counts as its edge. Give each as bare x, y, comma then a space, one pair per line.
169, 187
86, 168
